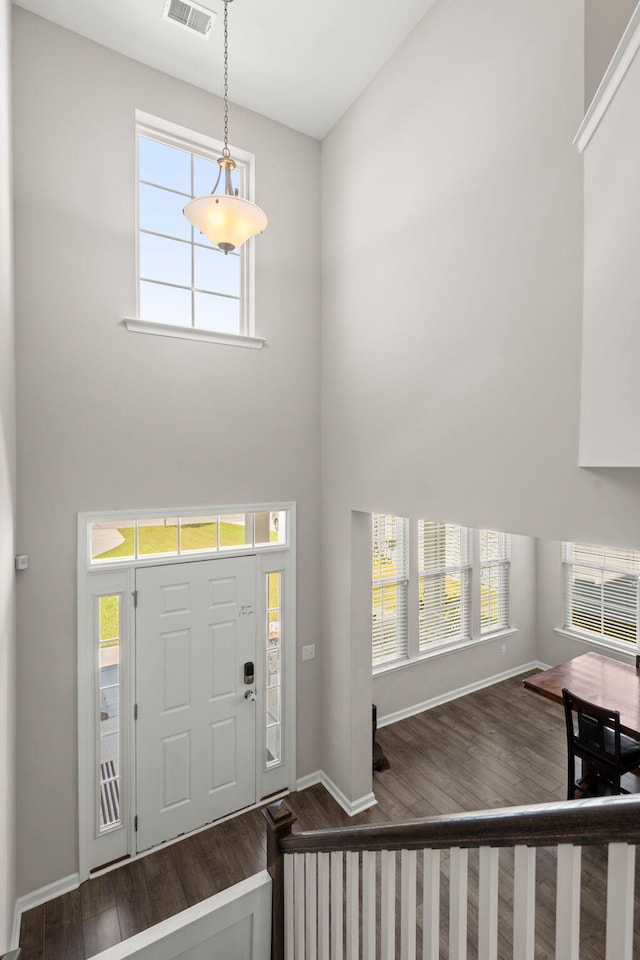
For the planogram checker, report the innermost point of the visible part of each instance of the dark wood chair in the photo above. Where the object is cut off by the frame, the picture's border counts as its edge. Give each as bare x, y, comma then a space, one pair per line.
594, 737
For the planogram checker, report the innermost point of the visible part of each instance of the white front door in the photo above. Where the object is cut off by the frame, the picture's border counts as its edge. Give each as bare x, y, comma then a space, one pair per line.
195, 730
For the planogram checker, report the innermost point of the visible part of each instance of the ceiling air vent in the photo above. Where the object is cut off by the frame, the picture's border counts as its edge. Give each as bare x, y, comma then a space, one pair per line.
190, 15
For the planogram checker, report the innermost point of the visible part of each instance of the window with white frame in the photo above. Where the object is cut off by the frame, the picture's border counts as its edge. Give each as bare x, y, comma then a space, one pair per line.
183, 280
601, 592
495, 578
459, 594
389, 588
142, 538
444, 564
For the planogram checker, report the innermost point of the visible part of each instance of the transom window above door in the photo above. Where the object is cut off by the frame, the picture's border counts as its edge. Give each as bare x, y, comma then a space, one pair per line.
112, 540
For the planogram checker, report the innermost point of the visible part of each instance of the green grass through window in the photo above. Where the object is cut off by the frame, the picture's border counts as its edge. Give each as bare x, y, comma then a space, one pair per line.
162, 539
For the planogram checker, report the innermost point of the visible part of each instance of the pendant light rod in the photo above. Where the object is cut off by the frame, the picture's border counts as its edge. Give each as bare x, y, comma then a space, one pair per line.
226, 219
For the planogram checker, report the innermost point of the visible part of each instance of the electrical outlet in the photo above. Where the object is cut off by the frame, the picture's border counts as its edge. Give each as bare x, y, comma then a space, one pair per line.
309, 652
503, 650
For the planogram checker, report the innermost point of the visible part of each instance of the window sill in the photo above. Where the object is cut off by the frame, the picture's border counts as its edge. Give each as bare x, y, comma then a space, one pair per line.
442, 650
620, 646
193, 333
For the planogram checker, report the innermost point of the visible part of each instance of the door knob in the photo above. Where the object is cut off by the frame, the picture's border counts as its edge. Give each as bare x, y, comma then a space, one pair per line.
250, 696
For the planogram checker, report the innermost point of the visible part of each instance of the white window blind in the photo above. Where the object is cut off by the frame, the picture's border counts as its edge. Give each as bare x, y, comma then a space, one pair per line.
495, 580
444, 560
601, 590
389, 588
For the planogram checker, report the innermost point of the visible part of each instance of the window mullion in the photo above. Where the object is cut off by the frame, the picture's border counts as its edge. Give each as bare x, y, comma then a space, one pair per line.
193, 255
413, 592
476, 593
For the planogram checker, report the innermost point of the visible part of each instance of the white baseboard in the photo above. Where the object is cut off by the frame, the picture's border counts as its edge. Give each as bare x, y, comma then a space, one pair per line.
30, 900
352, 807
454, 694
310, 780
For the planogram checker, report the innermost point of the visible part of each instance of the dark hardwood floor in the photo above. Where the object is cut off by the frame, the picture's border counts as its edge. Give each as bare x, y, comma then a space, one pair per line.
500, 746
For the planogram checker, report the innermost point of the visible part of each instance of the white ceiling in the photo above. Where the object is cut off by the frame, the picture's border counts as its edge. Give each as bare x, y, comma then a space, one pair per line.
300, 62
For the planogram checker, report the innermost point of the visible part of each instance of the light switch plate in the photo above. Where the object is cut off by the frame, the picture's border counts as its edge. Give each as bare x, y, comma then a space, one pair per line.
309, 652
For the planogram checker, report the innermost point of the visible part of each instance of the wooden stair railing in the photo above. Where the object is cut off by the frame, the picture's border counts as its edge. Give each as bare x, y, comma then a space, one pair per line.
315, 873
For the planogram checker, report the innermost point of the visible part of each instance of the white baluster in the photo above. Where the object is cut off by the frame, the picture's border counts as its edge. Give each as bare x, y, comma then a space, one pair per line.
299, 904
323, 906
353, 907
337, 902
369, 905
408, 905
524, 902
488, 903
458, 903
620, 876
568, 902
311, 867
388, 905
431, 905
289, 946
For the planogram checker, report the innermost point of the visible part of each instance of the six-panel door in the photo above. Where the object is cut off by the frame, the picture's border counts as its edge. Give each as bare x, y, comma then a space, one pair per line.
195, 732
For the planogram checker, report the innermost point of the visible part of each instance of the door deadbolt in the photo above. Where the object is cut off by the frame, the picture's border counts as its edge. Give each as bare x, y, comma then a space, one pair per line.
248, 672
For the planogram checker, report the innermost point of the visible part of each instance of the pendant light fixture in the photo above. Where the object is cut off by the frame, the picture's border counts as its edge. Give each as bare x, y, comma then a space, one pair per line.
225, 218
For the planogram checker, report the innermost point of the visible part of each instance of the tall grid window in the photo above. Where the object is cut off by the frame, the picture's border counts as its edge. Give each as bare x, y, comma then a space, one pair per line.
601, 591
183, 279
444, 564
389, 588
495, 578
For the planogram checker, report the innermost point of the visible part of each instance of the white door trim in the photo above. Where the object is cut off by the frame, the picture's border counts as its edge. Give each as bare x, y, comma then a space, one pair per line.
118, 576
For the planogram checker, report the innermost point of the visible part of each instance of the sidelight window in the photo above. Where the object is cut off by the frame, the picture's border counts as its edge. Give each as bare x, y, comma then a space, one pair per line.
108, 721
273, 668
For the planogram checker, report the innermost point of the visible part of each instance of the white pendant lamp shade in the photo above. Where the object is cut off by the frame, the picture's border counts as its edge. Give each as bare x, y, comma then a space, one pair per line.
226, 221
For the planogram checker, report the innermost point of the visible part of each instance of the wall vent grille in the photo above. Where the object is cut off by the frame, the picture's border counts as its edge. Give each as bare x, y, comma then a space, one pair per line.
190, 15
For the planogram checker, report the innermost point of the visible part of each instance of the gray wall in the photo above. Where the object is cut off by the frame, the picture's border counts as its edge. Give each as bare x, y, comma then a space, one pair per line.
452, 312
114, 420
7, 500
610, 393
605, 22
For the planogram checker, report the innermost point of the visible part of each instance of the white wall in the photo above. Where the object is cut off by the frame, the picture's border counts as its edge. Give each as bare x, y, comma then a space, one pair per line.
605, 22
401, 689
609, 433
452, 312
7, 500
114, 420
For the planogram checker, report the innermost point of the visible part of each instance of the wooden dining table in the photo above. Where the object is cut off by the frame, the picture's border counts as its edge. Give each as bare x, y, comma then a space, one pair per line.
601, 680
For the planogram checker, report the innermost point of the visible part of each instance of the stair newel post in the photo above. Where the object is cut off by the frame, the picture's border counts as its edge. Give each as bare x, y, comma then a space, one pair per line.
280, 818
